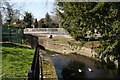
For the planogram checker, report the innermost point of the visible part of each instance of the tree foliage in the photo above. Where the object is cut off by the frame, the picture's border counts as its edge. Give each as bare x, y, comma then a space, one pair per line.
47, 17
47, 20
36, 23
11, 10
79, 18
28, 18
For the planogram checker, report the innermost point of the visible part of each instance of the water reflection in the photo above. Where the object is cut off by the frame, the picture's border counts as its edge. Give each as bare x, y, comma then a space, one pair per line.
59, 63
75, 67
74, 71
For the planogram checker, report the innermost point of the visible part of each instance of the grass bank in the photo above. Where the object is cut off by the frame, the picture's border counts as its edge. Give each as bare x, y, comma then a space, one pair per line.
16, 60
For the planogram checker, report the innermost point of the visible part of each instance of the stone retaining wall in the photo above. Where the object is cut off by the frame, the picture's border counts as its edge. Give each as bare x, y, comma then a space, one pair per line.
30, 40
66, 49
61, 48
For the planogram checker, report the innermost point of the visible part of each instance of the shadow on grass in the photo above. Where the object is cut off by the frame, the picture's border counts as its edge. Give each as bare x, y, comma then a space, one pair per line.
14, 45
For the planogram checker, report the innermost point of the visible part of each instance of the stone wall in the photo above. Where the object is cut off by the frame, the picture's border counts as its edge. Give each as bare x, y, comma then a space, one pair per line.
67, 49
61, 48
30, 40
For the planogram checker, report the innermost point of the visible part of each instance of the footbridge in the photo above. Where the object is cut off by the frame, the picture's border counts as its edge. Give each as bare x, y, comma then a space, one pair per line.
46, 31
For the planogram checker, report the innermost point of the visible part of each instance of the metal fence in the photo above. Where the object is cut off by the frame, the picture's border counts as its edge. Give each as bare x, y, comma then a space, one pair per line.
12, 34
42, 68
36, 72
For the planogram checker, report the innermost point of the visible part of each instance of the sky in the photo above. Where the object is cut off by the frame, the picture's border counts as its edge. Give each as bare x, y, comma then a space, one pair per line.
37, 8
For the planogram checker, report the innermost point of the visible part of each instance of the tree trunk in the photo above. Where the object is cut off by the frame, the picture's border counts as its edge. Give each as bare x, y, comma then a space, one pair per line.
0, 18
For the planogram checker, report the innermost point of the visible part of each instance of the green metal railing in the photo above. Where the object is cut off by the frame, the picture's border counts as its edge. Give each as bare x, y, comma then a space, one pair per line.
12, 34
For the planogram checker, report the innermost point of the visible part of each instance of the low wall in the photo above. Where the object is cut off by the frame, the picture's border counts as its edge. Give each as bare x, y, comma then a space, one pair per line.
30, 40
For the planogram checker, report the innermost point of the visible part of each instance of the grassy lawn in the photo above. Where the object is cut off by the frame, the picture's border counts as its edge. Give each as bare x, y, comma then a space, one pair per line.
16, 60
62, 42
90, 44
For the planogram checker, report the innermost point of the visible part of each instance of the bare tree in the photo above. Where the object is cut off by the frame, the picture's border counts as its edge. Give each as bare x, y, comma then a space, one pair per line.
0, 18
0, 15
10, 10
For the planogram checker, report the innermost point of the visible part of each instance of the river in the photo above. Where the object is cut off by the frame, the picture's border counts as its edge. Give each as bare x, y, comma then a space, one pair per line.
76, 67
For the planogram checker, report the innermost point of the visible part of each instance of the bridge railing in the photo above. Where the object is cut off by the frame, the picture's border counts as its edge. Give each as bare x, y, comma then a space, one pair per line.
36, 69
46, 30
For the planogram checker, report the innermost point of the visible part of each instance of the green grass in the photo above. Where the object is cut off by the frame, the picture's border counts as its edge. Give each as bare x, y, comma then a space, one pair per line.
49, 70
92, 44
16, 60
52, 51
62, 42
87, 44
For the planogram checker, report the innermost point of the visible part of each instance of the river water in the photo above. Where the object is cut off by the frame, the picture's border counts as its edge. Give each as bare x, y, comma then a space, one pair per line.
76, 67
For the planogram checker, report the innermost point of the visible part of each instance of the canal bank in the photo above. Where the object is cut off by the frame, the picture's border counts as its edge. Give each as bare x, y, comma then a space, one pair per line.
62, 45
66, 49
48, 69
76, 67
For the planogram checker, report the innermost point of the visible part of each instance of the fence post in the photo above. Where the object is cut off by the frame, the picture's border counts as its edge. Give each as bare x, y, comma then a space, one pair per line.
41, 68
22, 32
30, 75
10, 36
